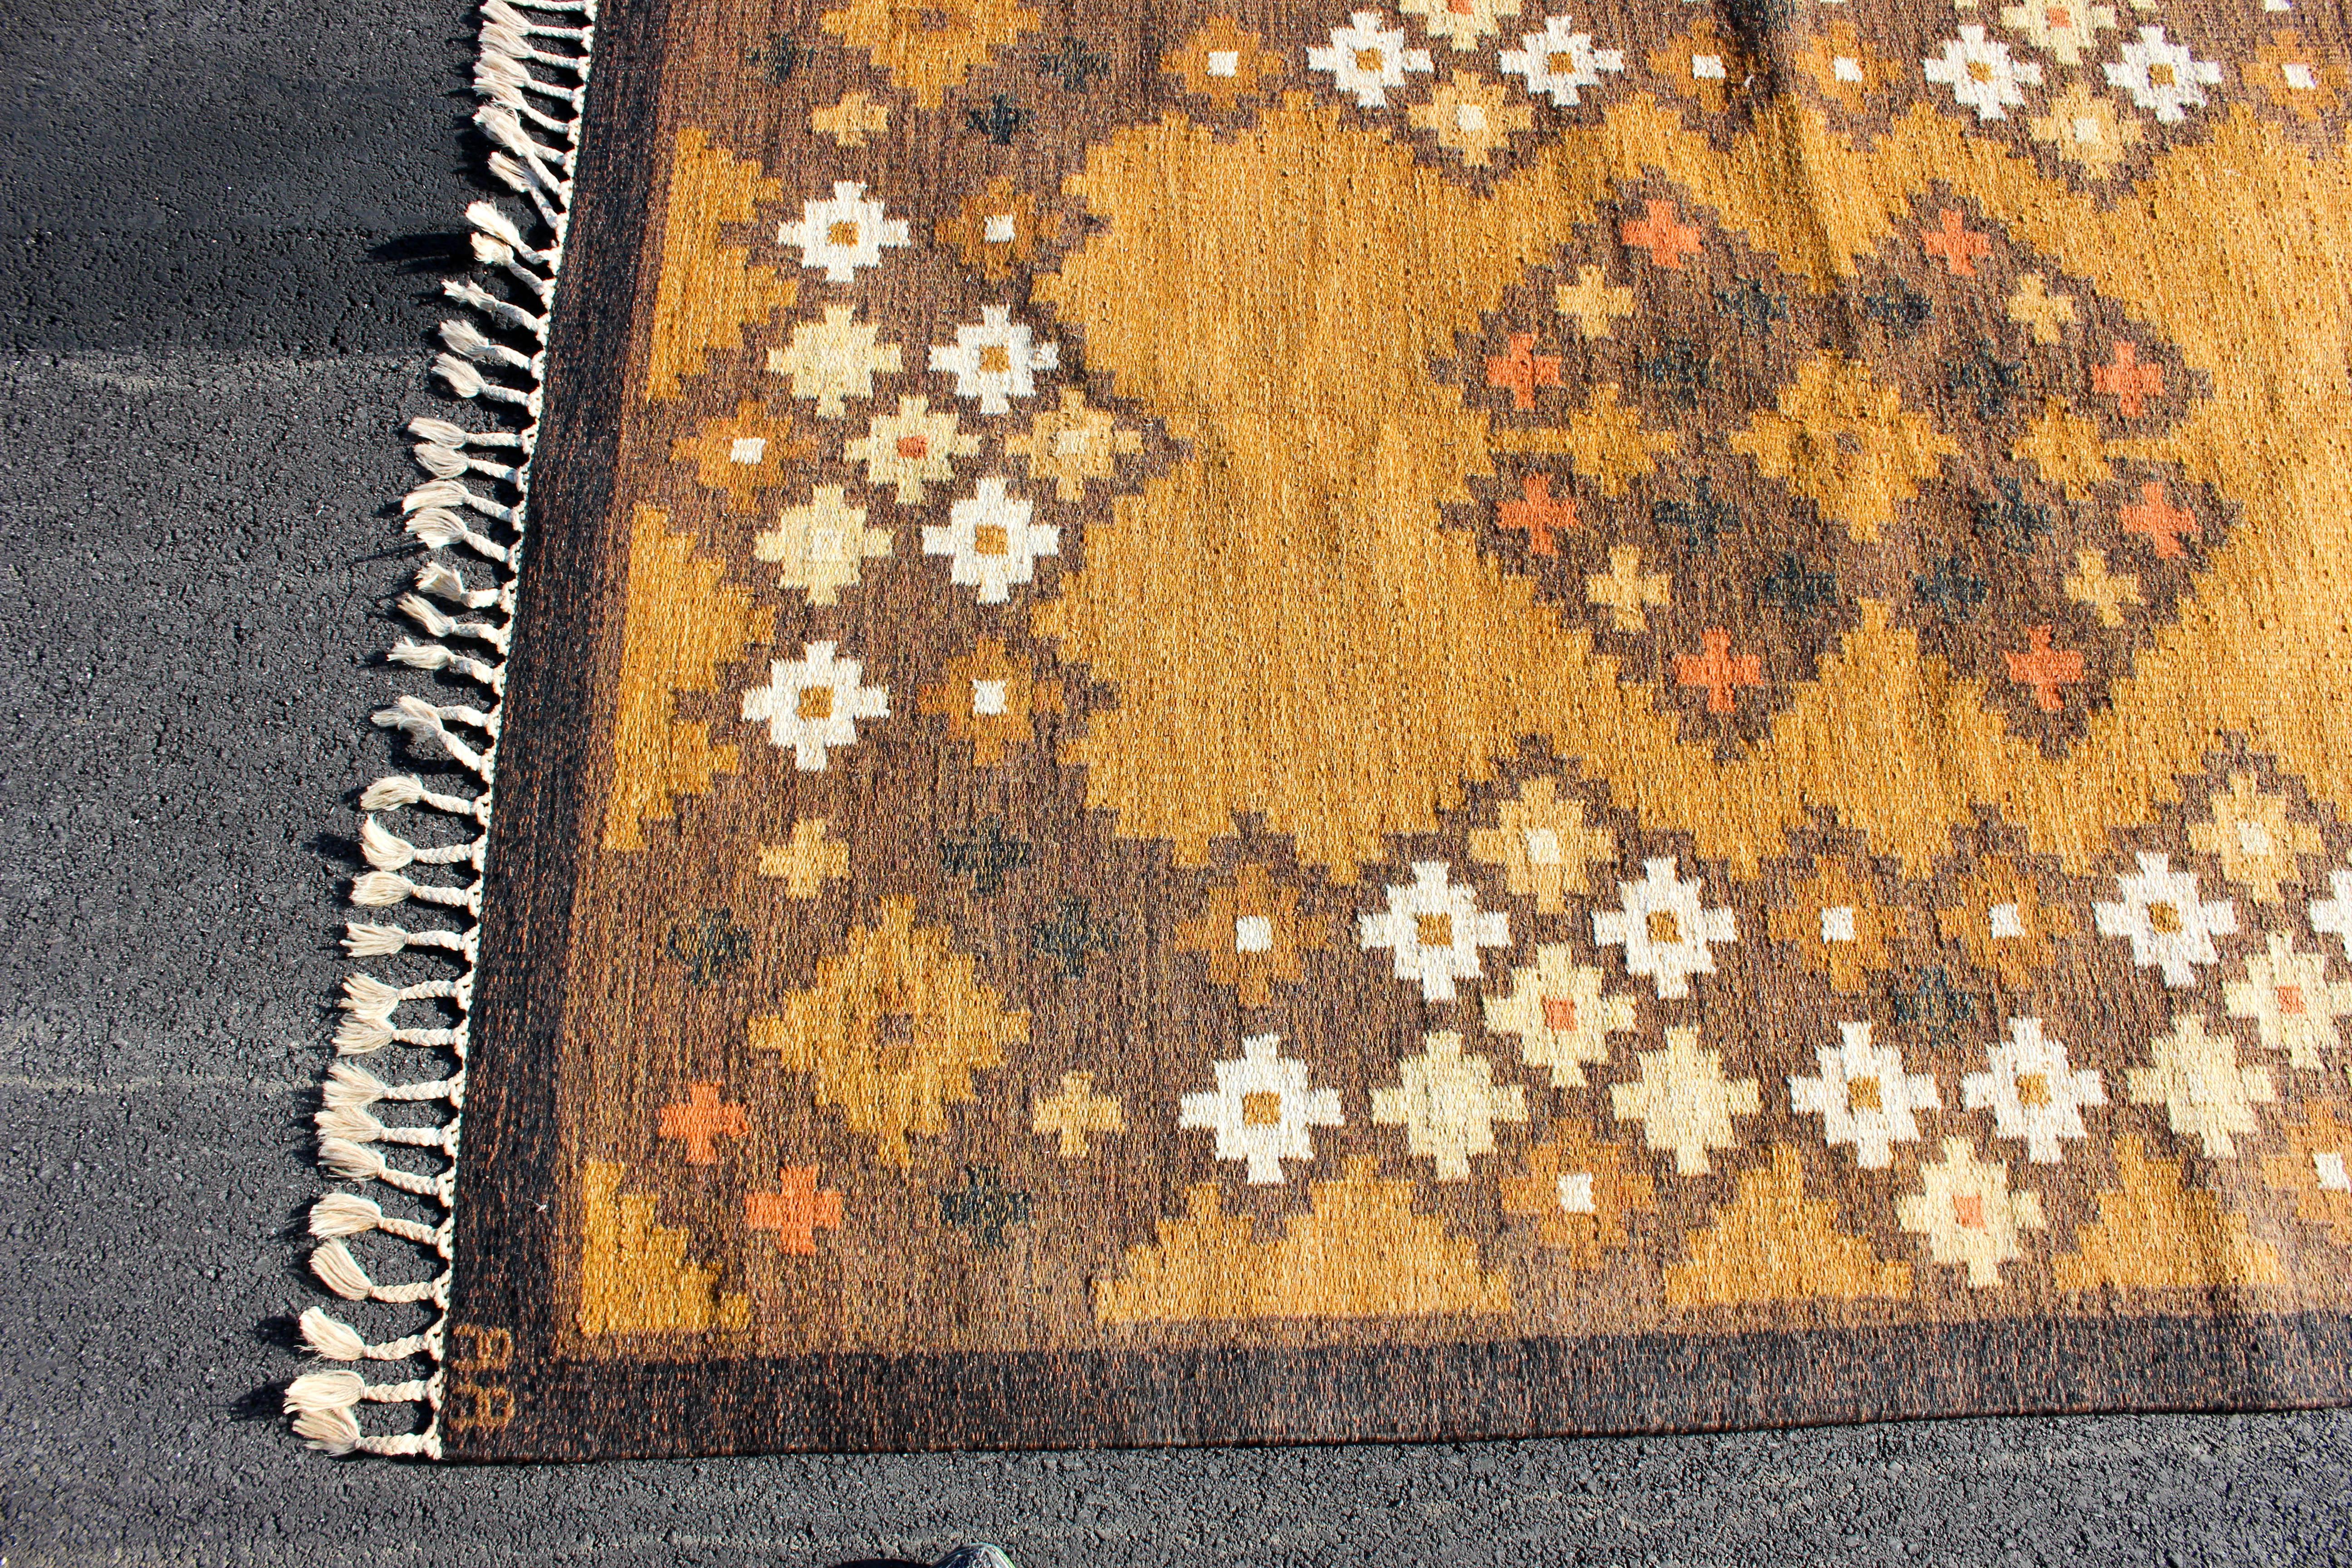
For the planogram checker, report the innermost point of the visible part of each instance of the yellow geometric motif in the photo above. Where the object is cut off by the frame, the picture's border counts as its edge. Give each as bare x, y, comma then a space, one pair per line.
2250, 832
1604, 440
1076, 1112
849, 122
1772, 1242
2067, 449
706, 291
2154, 1234
1274, 599
1592, 304
1579, 1191
1542, 845
1363, 1253
1074, 444
892, 1030
1845, 440
635, 1276
929, 46
681, 624
807, 861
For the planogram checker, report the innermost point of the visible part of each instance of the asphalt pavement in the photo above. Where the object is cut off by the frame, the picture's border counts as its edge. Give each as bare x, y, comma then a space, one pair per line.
221, 222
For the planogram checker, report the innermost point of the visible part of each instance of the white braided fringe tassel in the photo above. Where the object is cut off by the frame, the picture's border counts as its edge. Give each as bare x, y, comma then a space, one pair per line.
533, 75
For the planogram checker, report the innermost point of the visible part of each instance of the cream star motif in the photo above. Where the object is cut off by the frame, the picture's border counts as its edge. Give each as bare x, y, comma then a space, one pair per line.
2205, 1093
2170, 927
1077, 1113
840, 236
2333, 917
1433, 930
1981, 74
1559, 63
1665, 931
1448, 1104
990, 541
1685, 1103
1461, 23
807, 861
1865, 1097
812, 704
2033, 307
1628, 592
2293, 1003
1592, 304
911, 449
1965, 1210
1562, 1014
821, 545
996, 361
1367, 61
2032, 1091
1263, 1110
835, 359
2105, 591
2063, 27
2163, 77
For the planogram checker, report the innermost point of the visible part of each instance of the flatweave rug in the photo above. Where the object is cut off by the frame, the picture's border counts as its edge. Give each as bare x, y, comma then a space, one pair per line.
1249, 721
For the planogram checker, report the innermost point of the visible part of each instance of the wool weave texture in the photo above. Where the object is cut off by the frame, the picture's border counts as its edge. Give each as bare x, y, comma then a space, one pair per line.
1276, 722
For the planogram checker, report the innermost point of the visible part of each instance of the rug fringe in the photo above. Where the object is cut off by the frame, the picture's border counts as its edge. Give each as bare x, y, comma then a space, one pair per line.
532, 76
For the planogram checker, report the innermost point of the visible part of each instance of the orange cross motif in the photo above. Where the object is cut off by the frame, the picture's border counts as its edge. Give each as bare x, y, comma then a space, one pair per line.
795, 1214
2049, 670
1523, 370
1957, 244
2127, 380
1666, 237
2158, 518
1718, 672
1538, 516
701, 1119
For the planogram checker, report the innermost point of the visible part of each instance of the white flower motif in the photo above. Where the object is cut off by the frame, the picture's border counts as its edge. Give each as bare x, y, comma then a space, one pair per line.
990, 542
2170, 927
2205, 1093
2293, 1003
1685, 1103
1664, 929
1864, 1098
1435, 931
1262, 1109
1558, 63
1448, 1105
1981, 75
1366, 61
812, 704
1561, 1014
996, 361
2333, 917
843, 235
2165, 77
1968, 1213
2032, 1091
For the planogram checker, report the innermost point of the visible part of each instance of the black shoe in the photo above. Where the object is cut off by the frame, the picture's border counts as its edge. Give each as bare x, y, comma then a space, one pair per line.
979, 1554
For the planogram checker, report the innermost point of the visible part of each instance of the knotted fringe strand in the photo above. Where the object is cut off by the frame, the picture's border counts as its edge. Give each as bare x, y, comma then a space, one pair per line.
469, 515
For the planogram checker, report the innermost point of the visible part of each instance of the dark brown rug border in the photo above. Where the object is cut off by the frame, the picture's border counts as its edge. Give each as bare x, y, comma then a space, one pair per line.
581, 1410
512, 1151
1532, 1388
